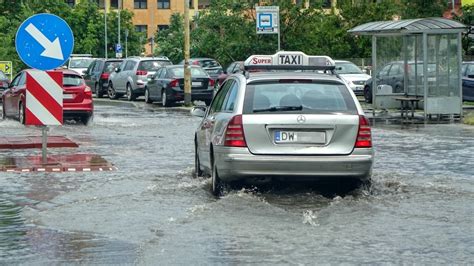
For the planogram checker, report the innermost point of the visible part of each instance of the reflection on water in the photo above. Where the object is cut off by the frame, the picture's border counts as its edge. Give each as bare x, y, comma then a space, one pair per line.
21, 242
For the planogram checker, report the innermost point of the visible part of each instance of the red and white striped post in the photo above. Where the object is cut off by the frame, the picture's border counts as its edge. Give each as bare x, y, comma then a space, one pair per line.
44, 102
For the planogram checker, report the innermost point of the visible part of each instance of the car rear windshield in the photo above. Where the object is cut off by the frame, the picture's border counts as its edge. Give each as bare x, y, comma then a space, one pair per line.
347, 68
111, 65
152, 65
208, 63
305, 97
72, 80
80, 62
195, 72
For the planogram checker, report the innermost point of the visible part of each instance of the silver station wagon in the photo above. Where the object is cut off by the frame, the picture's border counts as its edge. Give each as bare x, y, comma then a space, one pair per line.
288, 117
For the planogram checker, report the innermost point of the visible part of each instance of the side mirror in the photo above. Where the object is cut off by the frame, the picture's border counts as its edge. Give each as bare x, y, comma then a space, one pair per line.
198, 111
117, 69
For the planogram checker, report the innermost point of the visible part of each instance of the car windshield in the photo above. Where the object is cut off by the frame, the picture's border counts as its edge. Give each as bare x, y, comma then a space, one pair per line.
209, 63
152, 65
3, 76
72, 80
347, 68
111, 65
195, 72
80, 62
306, 97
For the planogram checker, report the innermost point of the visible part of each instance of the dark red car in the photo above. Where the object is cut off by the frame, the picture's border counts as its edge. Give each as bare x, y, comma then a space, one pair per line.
77, 97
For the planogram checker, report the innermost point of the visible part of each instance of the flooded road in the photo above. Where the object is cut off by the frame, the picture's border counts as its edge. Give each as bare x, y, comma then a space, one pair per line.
419, 209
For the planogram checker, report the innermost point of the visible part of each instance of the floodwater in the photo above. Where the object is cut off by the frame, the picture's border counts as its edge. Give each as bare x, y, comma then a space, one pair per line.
419, 209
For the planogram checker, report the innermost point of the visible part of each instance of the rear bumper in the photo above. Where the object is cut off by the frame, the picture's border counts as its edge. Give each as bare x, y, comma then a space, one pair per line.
238, 163
203, 95
78, 109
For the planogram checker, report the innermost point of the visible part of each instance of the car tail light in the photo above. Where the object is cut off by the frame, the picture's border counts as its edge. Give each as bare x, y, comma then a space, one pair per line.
196, 63
105, 76
174, 83
141, 73
364, 135
87, 91
212, 82
234, 134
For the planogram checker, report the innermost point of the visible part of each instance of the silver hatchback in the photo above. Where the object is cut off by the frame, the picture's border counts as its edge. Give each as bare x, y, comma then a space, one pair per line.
283, 125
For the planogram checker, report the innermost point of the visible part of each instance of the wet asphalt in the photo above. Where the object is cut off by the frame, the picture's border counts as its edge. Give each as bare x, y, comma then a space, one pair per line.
151, 211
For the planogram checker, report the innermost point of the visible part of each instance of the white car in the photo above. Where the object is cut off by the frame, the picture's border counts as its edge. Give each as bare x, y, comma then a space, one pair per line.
352, 75
283, 125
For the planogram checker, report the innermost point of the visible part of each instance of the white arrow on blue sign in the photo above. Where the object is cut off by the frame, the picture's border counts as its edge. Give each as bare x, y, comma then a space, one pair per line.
44, 41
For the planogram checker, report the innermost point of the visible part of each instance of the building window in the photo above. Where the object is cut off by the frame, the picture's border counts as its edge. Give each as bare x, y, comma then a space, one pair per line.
71, 3
163, 27
100, 3
141, 28
140, 4
163, 4
114, 3
191, 3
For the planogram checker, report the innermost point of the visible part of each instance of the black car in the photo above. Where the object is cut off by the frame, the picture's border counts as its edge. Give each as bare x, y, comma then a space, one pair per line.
393, 74
97, 75
167, 85
467, 72
211, 66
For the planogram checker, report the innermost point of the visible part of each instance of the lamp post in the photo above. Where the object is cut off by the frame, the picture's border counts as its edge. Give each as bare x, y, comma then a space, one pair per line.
126, 42
105, 28
187, 70
119, 9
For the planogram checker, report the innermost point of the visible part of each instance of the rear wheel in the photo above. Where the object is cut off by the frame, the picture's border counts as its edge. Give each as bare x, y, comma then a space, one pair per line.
197, 163
147, 96
21, 113
129, 92
367, 95
86, 119
164, 99
112, 93
217, 186
98, 91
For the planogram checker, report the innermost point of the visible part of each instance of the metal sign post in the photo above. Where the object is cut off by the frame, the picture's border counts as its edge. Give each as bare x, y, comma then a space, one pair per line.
268, 21
44, 144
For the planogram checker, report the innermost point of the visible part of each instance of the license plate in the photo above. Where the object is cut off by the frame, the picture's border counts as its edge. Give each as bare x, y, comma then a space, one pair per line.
299, 137
196, 84
68, 96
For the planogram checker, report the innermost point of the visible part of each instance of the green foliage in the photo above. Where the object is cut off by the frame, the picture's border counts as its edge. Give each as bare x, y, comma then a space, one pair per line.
423, 8
467, 18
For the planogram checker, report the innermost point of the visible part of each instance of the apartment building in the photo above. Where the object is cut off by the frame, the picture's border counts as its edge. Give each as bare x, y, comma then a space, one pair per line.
149, 15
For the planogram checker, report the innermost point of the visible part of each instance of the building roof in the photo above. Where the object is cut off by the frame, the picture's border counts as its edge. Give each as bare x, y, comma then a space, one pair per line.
410, 26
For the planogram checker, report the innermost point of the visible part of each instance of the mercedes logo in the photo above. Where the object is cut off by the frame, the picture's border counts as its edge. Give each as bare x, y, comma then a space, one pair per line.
301, 119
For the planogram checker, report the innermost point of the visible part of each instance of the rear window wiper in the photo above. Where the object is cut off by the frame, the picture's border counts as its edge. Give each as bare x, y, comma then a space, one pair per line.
279, 108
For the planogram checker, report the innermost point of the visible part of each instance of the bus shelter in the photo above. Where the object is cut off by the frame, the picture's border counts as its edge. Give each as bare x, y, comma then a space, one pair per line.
415, 61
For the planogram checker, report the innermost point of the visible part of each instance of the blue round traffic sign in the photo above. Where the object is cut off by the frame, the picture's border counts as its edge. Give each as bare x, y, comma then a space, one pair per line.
44, 41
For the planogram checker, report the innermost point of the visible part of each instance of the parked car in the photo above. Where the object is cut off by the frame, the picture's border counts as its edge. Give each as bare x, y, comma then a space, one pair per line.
97, 75
167, 85
467, 72
131, 77
234, 67
77, 97
4, 81
211, 66
283, 125
353, 75
393, 74
79, 62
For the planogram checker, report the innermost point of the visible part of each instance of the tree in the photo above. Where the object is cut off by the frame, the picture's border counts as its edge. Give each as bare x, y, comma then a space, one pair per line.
467, 18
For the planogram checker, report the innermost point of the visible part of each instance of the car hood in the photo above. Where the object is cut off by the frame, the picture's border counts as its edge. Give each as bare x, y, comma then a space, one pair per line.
354, 77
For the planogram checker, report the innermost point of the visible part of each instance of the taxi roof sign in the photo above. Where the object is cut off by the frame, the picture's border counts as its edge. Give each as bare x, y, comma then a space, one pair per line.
290, 60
